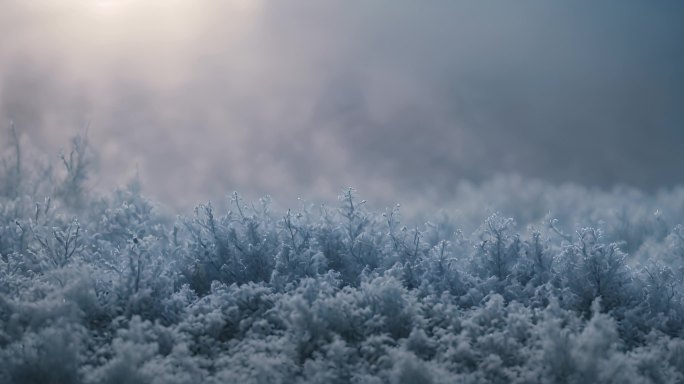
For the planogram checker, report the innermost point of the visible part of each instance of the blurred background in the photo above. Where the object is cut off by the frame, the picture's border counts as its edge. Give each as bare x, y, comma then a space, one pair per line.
404, 100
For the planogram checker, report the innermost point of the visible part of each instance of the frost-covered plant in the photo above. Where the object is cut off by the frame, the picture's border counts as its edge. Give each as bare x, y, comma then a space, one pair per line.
498, 249
78, 164
592, 269
535, 264
110, 289
49, 355
297, 258
355, 223
233, 248
11, 182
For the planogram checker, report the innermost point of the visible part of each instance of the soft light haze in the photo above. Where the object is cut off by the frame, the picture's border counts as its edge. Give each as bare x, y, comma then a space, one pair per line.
302, 98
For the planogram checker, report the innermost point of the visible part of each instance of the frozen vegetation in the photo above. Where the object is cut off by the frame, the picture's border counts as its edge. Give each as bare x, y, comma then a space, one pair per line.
517, 282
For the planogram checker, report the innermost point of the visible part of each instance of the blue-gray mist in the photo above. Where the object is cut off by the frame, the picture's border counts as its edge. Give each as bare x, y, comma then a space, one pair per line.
397, 98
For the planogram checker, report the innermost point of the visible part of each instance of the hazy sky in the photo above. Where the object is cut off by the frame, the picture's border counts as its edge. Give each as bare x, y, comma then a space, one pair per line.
394, 97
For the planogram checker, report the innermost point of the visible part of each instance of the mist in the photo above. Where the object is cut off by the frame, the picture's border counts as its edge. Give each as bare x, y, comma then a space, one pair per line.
399, 99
